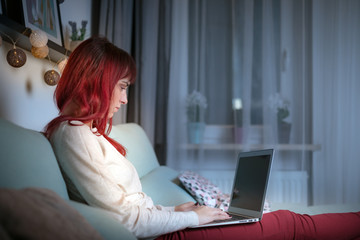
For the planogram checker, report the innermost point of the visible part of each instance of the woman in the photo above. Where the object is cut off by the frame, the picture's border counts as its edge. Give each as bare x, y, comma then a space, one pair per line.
91, 89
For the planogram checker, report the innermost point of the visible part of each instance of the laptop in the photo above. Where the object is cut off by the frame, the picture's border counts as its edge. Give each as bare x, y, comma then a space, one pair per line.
249, 188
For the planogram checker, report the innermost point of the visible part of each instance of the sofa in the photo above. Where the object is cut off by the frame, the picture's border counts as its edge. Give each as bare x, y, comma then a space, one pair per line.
29, 170
28, 161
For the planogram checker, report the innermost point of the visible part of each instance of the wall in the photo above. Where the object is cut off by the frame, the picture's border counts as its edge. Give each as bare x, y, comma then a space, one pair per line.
25, 99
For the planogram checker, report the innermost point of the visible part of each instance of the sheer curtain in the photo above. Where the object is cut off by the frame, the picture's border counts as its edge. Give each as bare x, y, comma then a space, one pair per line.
336, 58
250, 50
307, 51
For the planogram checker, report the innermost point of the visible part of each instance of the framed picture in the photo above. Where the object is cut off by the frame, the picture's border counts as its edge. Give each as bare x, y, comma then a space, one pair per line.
44, 15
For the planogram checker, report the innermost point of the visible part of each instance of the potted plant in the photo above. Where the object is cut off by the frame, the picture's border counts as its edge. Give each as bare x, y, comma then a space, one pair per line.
196, 105
77, 35
281, 106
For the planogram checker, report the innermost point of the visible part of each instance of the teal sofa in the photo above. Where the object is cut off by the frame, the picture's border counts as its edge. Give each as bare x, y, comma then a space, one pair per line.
27, 160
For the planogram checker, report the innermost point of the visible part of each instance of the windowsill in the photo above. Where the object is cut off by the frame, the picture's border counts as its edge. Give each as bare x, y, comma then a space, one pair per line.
234, 146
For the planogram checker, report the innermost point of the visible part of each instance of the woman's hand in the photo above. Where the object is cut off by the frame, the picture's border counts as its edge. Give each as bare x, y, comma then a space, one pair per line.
189, 206
208, 214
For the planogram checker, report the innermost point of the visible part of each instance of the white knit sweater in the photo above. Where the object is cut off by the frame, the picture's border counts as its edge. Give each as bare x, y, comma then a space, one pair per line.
104, 178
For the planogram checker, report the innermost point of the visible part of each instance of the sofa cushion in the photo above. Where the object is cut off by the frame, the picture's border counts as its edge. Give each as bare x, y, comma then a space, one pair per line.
103, 221
163, 187
139, 149
27, 160
204, 191
35, 213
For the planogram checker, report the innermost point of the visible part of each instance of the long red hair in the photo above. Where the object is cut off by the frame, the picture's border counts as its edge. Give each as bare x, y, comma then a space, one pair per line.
88, 80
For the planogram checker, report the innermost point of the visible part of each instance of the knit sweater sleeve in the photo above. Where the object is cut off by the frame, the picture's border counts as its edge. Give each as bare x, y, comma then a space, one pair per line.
105, 179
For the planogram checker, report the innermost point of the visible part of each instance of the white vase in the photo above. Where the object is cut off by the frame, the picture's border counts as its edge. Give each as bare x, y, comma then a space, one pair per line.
284, 130
74, 44
196, 132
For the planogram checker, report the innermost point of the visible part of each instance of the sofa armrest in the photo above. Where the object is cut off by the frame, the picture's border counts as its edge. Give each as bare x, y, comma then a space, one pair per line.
165, 189
103, 221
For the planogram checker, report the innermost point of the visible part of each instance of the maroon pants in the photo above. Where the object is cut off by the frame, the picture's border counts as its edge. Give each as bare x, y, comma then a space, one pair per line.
282, 224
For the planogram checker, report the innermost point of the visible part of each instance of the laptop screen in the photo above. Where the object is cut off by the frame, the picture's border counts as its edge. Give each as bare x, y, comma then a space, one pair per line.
251, 179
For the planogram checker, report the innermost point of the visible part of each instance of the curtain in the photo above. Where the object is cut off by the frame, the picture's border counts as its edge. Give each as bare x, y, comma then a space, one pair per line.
116, 23
305, 51
149, 99
248, 50
336, 58
142, 29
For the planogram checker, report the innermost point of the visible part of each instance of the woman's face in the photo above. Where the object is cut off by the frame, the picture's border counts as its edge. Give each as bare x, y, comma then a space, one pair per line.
119, 96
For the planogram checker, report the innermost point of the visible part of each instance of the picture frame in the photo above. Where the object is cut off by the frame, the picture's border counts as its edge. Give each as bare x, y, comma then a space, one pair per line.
44, 15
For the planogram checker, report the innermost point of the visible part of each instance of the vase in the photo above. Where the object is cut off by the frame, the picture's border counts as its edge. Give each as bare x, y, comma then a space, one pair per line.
74, 44
195, 132
284, 130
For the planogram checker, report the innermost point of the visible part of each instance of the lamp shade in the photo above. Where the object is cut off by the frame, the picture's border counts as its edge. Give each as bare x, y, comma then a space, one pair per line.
40, 52
16, 57
38, 38
62, 65
51, 77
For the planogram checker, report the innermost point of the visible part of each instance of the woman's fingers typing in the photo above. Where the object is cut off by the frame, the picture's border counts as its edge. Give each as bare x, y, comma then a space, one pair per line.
208, 214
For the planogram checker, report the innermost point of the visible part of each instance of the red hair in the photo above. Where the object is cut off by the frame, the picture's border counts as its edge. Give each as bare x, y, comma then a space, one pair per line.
88, 80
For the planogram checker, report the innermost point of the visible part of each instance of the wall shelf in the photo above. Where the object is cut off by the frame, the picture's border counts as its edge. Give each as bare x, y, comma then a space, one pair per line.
234, 146
20, 33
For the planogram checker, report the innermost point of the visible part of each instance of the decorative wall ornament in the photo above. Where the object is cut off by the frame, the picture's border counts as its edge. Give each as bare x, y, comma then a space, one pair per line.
16, 57
40, 52
62, 64
38, 38
51, 77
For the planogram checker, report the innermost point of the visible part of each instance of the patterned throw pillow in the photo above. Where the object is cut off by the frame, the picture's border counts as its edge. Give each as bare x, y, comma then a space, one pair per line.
206, 193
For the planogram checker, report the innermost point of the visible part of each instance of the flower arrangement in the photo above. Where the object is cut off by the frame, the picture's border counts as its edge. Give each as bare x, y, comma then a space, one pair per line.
196, 104
78, 34
280, 105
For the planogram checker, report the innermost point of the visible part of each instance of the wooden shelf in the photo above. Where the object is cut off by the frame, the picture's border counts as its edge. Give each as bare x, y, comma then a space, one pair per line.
239, 147
21, 34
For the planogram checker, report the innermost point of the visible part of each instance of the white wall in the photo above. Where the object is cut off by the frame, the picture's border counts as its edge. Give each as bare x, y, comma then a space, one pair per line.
25, 99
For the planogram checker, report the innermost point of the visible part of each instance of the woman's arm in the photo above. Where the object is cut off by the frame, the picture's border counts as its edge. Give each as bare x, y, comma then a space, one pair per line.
88, 160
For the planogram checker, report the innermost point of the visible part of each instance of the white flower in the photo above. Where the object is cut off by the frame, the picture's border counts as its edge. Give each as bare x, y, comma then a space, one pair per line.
196, 99
280, 105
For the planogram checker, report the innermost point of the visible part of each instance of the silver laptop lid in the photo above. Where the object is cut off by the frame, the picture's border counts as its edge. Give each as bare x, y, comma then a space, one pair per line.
250, 183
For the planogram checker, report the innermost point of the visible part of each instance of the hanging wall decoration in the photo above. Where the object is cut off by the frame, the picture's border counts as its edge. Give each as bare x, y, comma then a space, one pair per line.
62, 64
39, 40
40, 52
51, 77
15, 57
